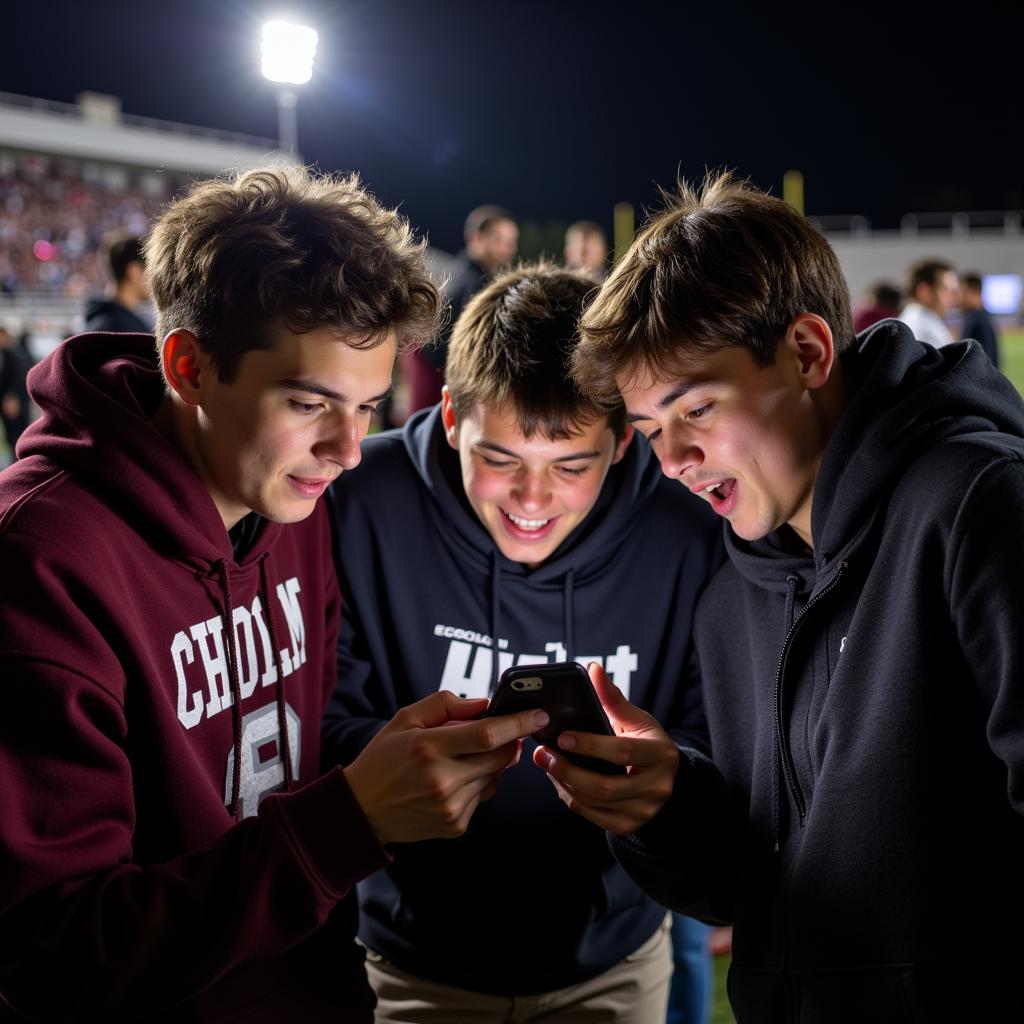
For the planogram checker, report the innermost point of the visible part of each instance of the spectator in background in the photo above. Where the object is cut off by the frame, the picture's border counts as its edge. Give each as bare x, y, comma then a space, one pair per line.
932, 289
125, 309
881, 301
978, 324
586, 249
14, 403
491, 235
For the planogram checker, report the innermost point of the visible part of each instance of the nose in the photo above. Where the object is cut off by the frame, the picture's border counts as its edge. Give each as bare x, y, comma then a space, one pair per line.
678, 453
531, 491
342, 444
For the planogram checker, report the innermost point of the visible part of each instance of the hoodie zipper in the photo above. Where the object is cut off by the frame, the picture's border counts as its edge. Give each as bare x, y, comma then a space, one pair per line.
788, 767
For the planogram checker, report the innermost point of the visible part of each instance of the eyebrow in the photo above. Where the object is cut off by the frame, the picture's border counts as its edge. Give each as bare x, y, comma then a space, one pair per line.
491, 446
674, 395
311, 387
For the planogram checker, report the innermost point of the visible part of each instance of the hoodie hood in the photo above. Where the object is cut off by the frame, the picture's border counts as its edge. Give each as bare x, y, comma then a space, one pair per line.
630, 482
906, 398
97, 394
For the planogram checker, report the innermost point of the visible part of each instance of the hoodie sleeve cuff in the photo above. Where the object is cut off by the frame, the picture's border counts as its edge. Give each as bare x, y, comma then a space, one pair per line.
694, 802
335, 836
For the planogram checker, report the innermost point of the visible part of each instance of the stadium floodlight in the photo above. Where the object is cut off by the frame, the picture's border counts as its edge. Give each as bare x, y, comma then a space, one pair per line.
288, 51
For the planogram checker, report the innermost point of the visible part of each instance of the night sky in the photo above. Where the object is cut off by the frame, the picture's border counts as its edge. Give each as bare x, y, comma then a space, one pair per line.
559, 110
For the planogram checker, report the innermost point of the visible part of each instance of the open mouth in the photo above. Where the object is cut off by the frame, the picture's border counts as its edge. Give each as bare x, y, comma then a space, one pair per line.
720, 490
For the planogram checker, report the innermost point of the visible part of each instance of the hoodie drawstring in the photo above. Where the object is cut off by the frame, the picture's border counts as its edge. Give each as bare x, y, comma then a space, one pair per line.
569, 615
776, 773
236, 690
791, 585
285, 743
495, 617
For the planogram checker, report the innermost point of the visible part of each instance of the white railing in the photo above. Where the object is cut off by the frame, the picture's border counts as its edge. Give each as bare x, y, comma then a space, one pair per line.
960, 223
74, 110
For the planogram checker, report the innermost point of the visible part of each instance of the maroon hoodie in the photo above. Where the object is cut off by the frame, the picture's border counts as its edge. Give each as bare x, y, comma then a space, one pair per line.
138, 880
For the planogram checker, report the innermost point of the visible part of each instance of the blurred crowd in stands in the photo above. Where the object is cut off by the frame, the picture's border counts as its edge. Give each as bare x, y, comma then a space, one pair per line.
55, 221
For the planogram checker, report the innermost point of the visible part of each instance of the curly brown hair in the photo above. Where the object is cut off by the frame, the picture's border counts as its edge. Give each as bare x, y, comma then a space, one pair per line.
236, 257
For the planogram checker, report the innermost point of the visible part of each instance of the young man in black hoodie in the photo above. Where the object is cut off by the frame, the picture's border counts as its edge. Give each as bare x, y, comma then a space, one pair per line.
859, 818
517, 523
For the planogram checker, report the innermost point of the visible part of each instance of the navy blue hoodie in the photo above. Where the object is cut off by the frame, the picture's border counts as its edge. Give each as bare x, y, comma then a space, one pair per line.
861, 820
530, 899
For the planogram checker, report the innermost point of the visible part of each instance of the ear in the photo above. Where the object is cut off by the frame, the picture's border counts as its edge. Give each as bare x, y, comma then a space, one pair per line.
809, 340
449, 419
185, 364
620, 448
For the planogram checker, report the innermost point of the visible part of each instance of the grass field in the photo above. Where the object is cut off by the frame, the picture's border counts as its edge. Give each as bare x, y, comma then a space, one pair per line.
1011, 354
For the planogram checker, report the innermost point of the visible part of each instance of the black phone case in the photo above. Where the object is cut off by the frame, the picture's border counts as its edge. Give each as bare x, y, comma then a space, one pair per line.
564, 691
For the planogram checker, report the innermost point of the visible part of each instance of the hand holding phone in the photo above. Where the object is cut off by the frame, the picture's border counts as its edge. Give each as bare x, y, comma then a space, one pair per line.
623, 803
562, 689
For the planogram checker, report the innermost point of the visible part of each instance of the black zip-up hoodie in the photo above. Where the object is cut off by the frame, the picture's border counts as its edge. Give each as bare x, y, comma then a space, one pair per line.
530, 899
861, 817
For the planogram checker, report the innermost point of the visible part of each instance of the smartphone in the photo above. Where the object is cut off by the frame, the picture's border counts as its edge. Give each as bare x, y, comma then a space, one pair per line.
562, 689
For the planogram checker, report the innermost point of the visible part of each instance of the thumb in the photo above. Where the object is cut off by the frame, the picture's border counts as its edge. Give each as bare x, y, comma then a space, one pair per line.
622, 715
439, 709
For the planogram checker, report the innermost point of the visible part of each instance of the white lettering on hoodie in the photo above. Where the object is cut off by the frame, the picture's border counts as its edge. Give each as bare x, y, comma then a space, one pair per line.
255, 660
468, 666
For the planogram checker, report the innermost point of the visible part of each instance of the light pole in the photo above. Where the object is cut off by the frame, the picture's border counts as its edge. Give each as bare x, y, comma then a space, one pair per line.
288, 59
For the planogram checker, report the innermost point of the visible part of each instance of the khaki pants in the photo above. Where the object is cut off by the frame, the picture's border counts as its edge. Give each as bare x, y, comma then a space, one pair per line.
634, 991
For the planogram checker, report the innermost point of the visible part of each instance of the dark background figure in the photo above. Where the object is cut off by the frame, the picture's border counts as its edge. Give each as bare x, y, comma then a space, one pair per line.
881, 300
125, 308
932, 293
586, 249
491, 234
978, 323
14, 403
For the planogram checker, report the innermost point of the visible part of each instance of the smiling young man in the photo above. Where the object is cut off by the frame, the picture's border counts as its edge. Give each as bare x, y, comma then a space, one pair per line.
860, 817
511, 524
168, 622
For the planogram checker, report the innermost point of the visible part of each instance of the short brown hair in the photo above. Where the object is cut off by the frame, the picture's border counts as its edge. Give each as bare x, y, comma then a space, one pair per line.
121, 254
728, 265
236, 257
512, 348
926, 271
483, 218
